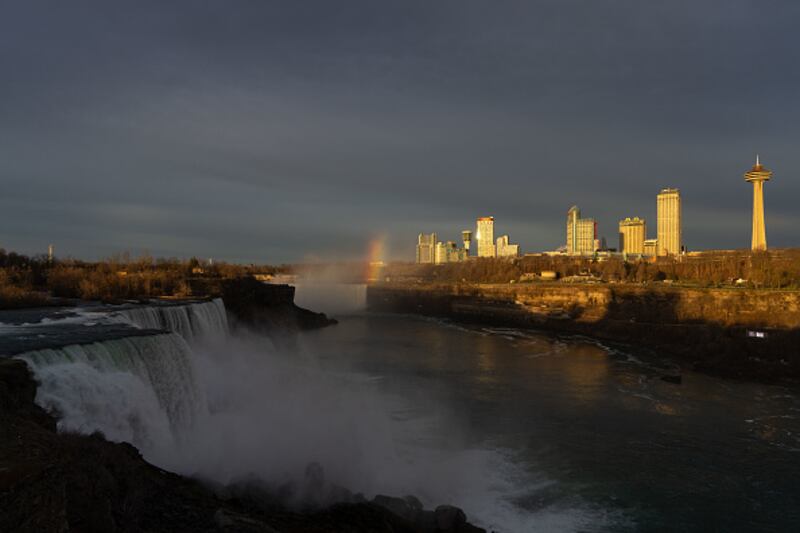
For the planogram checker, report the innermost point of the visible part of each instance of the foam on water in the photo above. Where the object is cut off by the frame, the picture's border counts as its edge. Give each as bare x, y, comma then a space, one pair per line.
226, 408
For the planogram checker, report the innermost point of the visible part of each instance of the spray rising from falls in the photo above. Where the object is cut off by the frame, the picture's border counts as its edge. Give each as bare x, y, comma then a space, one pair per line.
141, 390
228, 407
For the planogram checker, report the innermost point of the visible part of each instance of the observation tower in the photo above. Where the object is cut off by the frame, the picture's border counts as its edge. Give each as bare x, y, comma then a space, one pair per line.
757, 176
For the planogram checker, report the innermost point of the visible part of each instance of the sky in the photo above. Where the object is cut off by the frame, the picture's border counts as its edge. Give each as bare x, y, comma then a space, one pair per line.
270, 132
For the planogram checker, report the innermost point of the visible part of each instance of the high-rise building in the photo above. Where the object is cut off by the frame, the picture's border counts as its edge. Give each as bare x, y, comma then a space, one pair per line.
440, 253
581, 233
632, 233
485, 237
426, 248
504, 249
573, 215
757, 176
669, 222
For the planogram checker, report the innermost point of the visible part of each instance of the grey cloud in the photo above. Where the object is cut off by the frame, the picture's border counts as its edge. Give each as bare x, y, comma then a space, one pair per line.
273, 131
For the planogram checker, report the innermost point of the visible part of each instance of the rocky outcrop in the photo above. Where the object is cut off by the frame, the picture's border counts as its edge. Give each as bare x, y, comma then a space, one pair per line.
55, 482
712, 330
262, 306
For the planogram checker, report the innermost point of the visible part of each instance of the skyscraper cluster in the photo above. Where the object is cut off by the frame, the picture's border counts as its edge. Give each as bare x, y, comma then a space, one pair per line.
582, 238
429, 250
582, 232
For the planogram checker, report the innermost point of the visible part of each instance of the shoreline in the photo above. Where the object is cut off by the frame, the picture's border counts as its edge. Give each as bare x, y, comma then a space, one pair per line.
706, 330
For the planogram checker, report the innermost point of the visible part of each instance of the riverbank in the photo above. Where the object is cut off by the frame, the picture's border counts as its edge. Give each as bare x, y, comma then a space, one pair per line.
746, 334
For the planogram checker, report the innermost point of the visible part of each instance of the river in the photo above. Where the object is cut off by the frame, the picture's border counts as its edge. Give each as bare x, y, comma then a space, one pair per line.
525, 431
567, 434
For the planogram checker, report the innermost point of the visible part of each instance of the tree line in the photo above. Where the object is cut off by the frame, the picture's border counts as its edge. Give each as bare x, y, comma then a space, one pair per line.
776, 269
28, 281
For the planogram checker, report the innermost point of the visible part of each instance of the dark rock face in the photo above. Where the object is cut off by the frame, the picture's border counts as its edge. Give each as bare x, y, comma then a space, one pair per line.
55, 482
449, 518
262, 306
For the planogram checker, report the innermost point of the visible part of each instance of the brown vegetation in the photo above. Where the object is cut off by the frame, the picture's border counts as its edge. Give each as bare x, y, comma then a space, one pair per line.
779, 269
26, 281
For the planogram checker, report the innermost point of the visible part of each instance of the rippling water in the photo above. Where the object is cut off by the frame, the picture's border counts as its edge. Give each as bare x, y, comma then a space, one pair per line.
592, 438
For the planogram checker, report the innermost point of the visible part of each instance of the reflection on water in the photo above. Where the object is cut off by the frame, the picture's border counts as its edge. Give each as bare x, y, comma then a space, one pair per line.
598, 428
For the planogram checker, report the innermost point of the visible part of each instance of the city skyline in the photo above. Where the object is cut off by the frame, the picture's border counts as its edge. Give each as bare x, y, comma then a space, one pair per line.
329, 121
583, 237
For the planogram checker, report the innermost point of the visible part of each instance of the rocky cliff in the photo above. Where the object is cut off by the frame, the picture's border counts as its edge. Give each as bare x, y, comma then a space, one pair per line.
262, 306
709, 329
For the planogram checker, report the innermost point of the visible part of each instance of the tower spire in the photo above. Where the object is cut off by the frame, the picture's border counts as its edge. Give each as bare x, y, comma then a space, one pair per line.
758, 163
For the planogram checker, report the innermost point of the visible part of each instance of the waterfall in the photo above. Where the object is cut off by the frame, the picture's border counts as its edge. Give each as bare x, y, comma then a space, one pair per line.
231, 407
192, 321
141, 389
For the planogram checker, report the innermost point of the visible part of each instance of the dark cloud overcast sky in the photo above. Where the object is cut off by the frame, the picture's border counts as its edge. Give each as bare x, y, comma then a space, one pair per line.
280, 131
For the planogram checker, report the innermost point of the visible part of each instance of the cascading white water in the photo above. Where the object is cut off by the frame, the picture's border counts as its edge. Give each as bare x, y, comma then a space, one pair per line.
192, 321
224, 409
229, 407
141, 389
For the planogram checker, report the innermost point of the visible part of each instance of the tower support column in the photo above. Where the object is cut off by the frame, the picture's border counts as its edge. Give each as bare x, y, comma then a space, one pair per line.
759, 241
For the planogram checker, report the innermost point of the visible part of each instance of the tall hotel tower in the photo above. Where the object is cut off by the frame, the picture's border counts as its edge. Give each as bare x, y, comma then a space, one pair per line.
485, 237
757, 176
632, 233
669, 222
581, 233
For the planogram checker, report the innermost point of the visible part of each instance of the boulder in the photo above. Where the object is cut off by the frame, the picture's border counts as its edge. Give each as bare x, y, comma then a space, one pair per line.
449, 518
399, 506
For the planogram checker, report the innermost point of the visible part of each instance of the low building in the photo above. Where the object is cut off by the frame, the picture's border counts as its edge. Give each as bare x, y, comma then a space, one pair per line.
448, 252
505, 249
650, 247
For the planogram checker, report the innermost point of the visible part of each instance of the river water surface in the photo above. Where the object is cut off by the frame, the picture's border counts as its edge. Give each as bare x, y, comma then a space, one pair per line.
583, 437
525, 431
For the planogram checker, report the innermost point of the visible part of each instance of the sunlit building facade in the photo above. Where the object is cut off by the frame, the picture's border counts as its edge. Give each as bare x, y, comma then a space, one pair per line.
669, 232
426, 248
485, 237
650, 247
581, 233
448, 252
632, 234
506, 249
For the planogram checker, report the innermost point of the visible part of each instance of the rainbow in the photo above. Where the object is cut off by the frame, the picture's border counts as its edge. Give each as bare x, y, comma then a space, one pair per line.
375, 257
